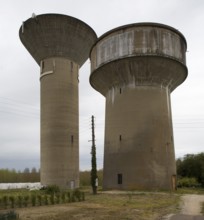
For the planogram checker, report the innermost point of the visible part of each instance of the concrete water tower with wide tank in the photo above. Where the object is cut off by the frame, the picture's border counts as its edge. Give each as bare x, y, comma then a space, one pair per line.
136, 67
60, 45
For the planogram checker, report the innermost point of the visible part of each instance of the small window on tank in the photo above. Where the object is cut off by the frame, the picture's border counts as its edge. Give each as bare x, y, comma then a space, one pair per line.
72, 138
120, 178
120, 90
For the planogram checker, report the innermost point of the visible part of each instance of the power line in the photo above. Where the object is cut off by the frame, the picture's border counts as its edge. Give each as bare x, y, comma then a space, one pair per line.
22, 114
15, 103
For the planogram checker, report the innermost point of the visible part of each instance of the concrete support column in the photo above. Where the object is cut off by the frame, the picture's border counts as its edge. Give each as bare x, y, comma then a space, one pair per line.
59, 122
138, 139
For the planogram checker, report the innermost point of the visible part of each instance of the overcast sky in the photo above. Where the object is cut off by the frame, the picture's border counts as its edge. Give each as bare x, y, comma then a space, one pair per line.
20, 85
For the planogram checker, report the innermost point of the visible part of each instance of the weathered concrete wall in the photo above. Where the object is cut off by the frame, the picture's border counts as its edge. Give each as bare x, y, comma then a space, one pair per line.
57, 35
143, 53
139, 39
139, 139
136, 67
59, 122
60, 45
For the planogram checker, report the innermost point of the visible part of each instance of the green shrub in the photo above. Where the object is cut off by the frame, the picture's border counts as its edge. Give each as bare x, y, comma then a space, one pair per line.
5, 201
52, 199
46, 200
26, 200
77, 194
83, 196
52, 189
63, 197
12, 201
187, 182
33, 199
39, 197
69, 196
72, 197
20, 199
58, 198
192, 165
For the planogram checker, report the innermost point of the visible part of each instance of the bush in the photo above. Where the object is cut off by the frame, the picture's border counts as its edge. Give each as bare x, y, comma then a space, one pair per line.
20, 199
52, 199
69, 196
25, 200
58, 198
12, 201
33, 200
77, 194
46, 200
188, 182
63, 197
83, 196
39, 199
192, 166
5, 201
72, 198
52, 189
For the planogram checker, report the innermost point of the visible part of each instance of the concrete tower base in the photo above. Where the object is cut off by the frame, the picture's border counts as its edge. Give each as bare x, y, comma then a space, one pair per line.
139, 149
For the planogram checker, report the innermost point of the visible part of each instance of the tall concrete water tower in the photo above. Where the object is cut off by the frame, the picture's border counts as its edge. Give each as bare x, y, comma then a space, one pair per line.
60, 44
136, 67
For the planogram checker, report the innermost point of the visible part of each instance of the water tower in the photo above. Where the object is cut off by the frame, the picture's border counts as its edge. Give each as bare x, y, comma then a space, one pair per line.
60, 45
136, 67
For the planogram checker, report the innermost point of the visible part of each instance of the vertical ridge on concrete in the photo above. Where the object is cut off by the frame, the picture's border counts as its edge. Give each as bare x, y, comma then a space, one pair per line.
136, 67
60, 44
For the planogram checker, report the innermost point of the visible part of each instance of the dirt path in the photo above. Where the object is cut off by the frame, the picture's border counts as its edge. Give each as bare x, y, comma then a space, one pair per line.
191, 204
190, 208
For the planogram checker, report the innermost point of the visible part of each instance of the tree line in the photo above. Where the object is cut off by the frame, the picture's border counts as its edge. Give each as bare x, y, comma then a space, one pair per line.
13, 176
190, 170
33, 175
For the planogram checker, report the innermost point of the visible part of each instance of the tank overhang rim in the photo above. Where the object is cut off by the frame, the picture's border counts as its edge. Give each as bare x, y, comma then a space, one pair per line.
60, 15
130, 58
138, 25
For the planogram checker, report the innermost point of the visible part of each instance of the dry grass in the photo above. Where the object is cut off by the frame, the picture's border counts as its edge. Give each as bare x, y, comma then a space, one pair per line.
126, 206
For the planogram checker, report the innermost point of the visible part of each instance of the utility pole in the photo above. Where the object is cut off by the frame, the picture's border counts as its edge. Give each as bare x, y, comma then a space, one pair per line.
94, 177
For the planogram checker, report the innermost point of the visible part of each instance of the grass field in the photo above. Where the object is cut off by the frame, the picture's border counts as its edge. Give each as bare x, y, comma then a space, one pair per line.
110, 205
